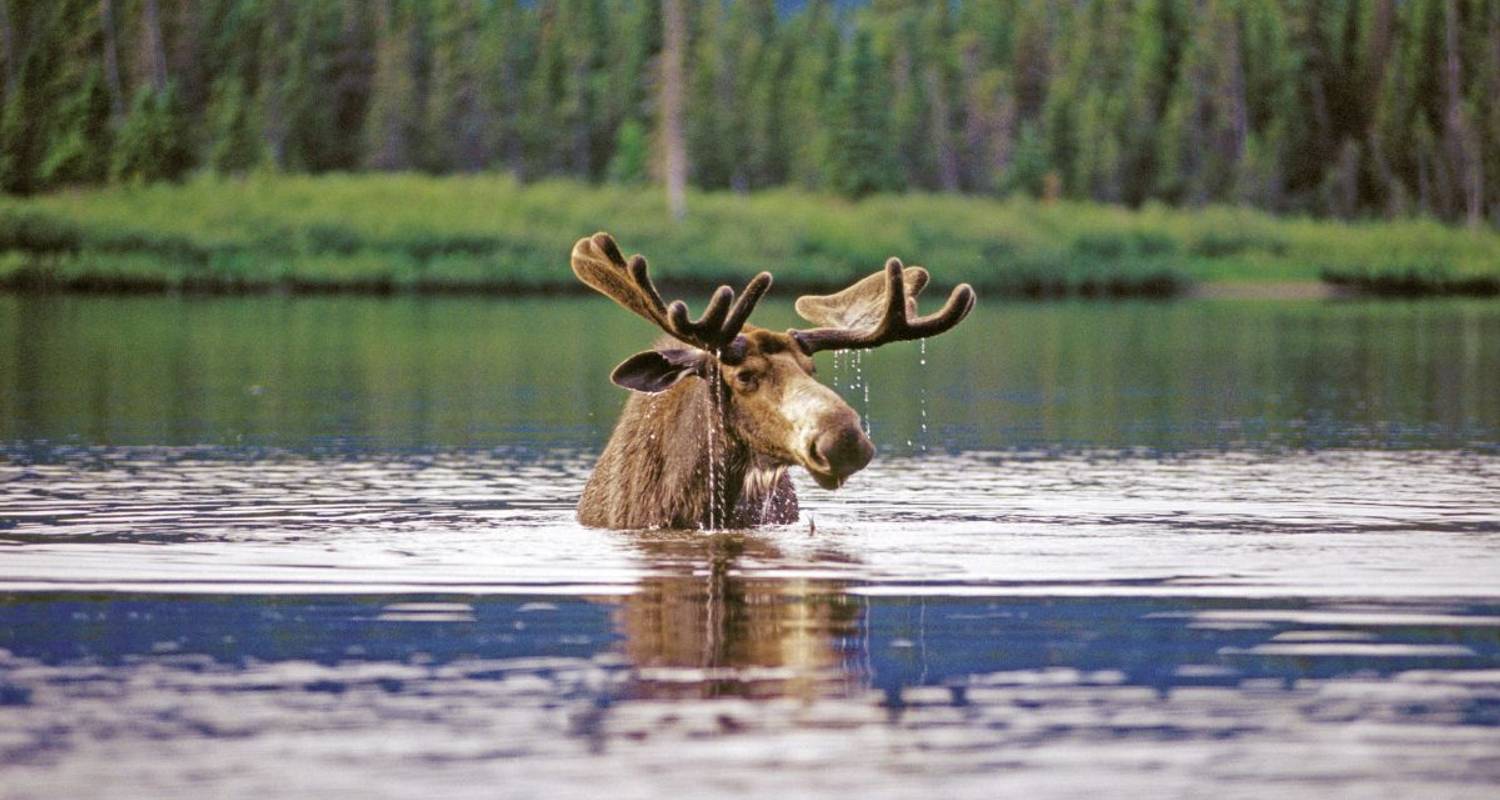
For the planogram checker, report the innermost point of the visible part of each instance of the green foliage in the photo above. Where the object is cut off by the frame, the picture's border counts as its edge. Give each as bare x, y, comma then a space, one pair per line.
408, 232
860, 158
152, 143
81, 139
235, 147
1329, 107
1029, 164
631, 155
392, 132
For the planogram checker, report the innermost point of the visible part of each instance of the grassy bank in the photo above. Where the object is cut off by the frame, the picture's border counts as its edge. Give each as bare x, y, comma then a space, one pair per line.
491, 234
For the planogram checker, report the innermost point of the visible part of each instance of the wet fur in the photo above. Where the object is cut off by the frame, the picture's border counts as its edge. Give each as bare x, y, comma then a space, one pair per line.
654, 473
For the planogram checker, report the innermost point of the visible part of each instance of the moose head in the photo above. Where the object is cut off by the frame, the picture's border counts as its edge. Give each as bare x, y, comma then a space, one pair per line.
721, 408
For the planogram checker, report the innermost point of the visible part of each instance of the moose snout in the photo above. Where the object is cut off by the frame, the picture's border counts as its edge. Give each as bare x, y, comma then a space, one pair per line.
840, 452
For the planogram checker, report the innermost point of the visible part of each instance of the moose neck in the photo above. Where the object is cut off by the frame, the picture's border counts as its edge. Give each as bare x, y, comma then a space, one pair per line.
671, 462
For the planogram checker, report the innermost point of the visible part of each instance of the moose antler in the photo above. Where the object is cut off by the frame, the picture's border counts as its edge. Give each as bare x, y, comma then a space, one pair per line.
850, 314
597, 262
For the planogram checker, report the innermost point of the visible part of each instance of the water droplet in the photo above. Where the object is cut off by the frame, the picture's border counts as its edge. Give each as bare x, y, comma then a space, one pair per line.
922, 390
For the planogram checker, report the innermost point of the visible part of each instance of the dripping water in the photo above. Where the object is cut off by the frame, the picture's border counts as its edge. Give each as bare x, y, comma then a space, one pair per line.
713, 453
922, 391
859, 381
768, 503
840, 359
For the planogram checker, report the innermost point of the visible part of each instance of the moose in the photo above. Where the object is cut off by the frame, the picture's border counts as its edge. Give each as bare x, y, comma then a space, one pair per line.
720, 409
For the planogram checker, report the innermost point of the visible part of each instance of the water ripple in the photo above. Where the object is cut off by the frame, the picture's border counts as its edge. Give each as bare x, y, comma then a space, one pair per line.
1313, 524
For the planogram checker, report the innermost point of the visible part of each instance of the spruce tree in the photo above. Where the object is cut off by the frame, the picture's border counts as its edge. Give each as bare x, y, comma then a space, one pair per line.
809, 109
235, 146
631, 155
860, 155
152, 143
79, 143
392, 127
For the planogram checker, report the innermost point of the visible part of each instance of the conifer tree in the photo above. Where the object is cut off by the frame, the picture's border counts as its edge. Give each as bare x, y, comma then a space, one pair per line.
392, 127
76, 135
809, 112
711, 139
80, 140
631, 154
152, 143
235, 146
1342, 107
460, 111
860, 158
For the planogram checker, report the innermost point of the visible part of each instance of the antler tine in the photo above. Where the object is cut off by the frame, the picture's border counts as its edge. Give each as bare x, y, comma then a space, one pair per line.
705, 331
597, 261
895, 325
960, 303
895, 295
640, 273
746, 304
720, 323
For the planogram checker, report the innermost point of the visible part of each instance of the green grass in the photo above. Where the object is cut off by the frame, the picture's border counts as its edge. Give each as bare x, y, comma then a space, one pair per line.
490, 233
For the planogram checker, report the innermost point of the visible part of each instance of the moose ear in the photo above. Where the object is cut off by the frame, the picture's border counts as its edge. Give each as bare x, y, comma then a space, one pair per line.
657, 370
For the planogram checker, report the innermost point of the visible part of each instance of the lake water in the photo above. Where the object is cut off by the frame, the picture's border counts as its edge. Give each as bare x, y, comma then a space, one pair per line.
325, 547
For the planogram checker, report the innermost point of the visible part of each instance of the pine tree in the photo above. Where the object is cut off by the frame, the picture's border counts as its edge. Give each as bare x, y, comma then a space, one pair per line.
1154, 43
81, 138
1343, 107
460, 113
631, 155
1029, 168
711, 137
544, 151
392, 126
768, 136
34, 40
235, 146
809, 111
860, 158
77, 135
152, 143
584, 141
626, 81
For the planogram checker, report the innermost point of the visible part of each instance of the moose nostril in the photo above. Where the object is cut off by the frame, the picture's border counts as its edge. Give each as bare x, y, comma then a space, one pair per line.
815, 455
845, 451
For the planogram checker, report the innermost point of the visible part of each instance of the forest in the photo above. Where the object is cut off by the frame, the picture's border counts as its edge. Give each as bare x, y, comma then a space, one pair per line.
1340, 108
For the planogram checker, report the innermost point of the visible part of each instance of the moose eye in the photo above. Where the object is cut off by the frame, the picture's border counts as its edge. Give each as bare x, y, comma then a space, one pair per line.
745, 380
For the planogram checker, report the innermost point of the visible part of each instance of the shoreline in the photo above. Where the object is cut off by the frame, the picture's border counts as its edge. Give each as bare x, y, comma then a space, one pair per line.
119, 286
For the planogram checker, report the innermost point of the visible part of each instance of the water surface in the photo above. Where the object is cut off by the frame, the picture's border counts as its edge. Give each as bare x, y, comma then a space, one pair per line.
326, 546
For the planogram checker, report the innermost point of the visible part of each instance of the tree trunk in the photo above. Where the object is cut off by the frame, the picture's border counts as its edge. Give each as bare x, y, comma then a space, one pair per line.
112, 61
8, 50
1463, 146
1238, 111
942, 132
674, 150
156, 53
1379, 51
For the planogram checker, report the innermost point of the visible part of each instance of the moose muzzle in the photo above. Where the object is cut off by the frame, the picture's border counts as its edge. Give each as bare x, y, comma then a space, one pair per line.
837, 453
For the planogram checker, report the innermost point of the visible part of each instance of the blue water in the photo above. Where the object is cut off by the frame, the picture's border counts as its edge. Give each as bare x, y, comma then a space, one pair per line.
1174, 575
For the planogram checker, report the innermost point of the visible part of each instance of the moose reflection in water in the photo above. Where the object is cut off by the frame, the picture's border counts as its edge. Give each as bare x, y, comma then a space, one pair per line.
708, 630
710, 429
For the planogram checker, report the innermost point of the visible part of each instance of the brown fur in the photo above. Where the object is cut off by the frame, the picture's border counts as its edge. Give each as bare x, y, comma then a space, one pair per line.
708, 435
654, 472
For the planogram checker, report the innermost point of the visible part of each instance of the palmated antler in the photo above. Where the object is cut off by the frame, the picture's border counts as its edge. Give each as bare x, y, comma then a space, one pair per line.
851, 320
597, 262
